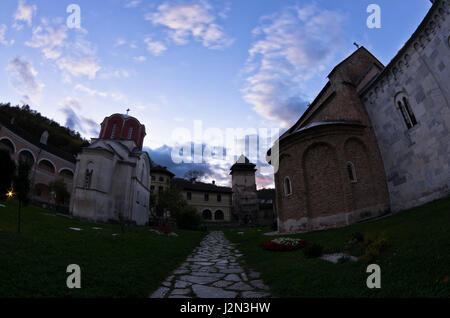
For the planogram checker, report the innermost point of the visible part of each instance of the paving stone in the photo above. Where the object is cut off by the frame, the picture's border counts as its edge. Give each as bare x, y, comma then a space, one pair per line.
160, 292
181, 271
240, 286
222, 284
232, 271
259, 284
254, 275
206, 274
181, 292
181, 284
232, 278
167, 284
253, 294
198, 279
244, 277
202, 291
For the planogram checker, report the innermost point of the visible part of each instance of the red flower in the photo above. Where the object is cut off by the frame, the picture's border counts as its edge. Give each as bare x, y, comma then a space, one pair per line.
272, 246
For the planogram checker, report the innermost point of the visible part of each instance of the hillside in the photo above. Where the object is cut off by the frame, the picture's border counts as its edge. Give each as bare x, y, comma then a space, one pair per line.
35, 124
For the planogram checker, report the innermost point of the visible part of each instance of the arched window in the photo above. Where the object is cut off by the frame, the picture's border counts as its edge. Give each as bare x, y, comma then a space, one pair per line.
66, 173
113, 133
130, 132
287, 186
351, 172
47, 165
88, 175
26, 156
406, 111
7, 144
218, 215
207, 215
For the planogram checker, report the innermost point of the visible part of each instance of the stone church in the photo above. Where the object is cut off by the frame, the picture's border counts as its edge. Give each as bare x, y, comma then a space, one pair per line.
375, 140
112, 175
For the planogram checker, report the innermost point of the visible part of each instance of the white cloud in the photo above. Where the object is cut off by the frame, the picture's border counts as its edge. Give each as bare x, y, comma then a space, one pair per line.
90, 91
85, 66
22, 77
292, 46
24, 13
2, 36
155, 47
49, 39
114, 73
120, 42
71, 107
195, 20
133, 3
140, 59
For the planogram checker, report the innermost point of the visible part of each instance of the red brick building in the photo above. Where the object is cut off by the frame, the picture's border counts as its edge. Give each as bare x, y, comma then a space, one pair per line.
330, 171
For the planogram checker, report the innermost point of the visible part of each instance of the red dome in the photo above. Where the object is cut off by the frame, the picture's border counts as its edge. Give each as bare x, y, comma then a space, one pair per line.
123, 127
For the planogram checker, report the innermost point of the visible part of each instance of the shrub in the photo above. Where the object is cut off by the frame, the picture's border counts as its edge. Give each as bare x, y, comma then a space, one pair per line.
189, 219
374, 245
313, 250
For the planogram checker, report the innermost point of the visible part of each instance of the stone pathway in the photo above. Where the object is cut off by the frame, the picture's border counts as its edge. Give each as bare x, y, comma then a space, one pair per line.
213, 270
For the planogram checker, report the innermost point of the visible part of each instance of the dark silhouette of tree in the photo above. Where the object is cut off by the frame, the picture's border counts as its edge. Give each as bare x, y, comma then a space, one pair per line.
59, 187
22, 187
7, 170
193, 174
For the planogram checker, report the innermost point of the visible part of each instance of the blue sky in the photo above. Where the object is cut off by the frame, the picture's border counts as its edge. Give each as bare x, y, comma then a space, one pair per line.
230, 64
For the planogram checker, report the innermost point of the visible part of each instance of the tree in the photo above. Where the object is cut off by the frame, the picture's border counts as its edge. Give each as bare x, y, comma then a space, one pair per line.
170, 200
193, 174
59, 187
7, 170
22, 187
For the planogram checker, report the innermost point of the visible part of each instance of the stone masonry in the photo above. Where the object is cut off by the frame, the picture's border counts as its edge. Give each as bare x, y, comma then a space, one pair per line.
213, 270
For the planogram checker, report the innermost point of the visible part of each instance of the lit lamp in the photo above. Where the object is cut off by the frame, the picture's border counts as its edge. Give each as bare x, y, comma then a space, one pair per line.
10, 194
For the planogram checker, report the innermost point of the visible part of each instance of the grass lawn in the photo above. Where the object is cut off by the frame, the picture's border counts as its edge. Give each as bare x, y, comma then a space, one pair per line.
33, 264
416, 263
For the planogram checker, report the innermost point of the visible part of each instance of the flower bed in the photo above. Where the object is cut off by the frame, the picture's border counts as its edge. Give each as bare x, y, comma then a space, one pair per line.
284, 244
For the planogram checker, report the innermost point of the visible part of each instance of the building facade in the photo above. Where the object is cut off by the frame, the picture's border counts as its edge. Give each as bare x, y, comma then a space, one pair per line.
409, 106
375, 139
161, 179
48, 163
212, 202
112, 176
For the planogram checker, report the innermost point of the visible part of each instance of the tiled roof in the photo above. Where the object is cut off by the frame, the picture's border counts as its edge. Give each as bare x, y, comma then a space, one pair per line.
200, 186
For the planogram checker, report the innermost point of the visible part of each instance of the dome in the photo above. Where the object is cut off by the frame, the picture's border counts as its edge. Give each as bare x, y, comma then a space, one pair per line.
123, 127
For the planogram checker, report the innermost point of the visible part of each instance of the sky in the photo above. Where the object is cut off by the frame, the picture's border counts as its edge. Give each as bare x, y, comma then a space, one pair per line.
188, 66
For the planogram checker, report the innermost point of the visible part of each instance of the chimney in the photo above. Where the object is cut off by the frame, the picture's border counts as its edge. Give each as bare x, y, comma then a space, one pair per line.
214, 182
44, 137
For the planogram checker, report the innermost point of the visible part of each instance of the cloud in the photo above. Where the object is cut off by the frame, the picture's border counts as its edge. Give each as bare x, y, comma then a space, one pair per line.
133, 3
22, 77
155, 47
24, 13
70, 107
2, 36
290, 48
195, 20
90, 91
120, 42
140, 59
49, 39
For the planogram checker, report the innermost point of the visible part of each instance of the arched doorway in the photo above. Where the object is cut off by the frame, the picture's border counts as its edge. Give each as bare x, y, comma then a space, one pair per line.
218, 215
7, 144
207, 215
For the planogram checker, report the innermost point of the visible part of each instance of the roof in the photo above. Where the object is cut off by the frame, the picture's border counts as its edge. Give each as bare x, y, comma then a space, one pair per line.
163, 170
266, 194
402, 50
243, 164
199, 186
35, 140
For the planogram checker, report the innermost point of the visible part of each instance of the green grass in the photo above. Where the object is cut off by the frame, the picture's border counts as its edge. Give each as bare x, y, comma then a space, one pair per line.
414, 265
33, 264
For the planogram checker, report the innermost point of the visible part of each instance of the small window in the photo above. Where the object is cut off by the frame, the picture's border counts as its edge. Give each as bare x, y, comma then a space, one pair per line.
153, 178
88, 179
66, 173
27, 157
189, 196
219, 198
113, 133
351, 172
406, 111
206, 196
130, 132
287, 186
160, 189
161, 179
152, 189
47, 165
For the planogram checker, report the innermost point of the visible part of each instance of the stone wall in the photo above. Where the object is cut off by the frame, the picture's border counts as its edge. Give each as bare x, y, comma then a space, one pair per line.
416, 160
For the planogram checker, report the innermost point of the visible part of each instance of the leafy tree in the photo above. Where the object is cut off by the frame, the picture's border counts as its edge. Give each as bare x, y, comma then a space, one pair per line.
59, 187
189, 219
170, 200
22, 187
7, 170
193, 174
